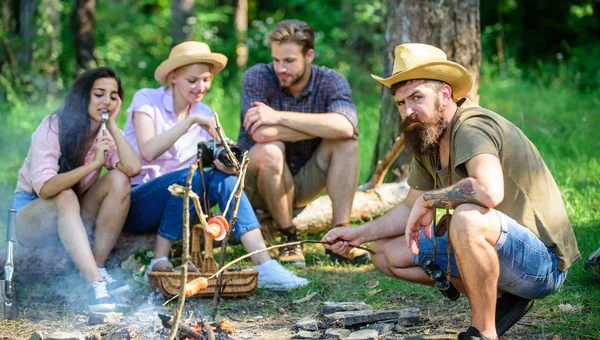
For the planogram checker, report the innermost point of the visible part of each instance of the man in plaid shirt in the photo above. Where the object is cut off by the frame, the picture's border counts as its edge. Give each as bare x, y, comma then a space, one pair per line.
301, 126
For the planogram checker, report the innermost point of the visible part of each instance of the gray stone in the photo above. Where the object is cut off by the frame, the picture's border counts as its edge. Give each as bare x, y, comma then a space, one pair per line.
307, 324
346, 319
104, 318
364, 334
381, 327
334, 307
336, 333
37, 335
307, 335
65, 336
409, 316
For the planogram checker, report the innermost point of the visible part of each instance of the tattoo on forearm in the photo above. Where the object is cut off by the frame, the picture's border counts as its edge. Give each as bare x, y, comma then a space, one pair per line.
453, 196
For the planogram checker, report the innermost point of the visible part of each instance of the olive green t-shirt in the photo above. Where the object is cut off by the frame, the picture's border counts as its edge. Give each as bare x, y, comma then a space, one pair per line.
531, 196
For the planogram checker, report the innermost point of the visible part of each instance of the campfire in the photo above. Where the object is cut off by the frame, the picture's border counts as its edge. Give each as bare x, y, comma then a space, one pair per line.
200, 328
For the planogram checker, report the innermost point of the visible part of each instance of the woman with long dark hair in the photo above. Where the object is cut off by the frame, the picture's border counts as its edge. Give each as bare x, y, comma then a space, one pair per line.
165, 126
60, 194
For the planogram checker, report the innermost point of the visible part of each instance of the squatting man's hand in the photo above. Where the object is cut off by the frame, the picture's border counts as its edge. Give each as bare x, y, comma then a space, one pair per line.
341, 238
420, 216
260, 114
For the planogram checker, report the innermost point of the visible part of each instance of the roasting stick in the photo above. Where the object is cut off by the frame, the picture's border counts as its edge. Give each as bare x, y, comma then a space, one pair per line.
186, 255
199, 281
230, 155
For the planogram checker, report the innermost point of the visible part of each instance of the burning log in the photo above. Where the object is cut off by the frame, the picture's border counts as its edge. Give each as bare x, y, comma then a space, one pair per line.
199, 329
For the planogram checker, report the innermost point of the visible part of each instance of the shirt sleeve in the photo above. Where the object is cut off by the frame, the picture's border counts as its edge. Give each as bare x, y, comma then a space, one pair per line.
45, 153
254, 89
340, 100
141, 102
475, 135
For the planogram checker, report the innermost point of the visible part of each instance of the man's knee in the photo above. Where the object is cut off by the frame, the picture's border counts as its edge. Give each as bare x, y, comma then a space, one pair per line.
470, 222
268, 156
347, 146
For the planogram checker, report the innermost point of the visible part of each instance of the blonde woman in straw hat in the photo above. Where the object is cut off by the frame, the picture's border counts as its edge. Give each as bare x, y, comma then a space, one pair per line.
165, 126
510, 235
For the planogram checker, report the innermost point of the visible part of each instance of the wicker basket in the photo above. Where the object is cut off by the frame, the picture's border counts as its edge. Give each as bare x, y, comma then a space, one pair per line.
237, 281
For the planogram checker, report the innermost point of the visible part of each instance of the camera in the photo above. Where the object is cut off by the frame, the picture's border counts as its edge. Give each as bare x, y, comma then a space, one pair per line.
441, 282
213, 149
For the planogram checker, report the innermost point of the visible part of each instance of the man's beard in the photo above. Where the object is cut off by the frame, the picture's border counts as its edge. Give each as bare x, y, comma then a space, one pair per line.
423, 137
293, 79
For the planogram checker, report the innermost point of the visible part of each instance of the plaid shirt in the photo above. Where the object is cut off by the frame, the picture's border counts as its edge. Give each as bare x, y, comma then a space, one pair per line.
326, 92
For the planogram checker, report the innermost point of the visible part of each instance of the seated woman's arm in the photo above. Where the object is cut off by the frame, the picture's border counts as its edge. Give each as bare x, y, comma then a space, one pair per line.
129, 161
151, 145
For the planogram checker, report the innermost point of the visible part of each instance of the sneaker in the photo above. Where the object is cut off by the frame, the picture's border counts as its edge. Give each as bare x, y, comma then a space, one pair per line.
98, 299
352, 256
272, 275
115, 287
159, 266
509, 310
471, 334
292, 255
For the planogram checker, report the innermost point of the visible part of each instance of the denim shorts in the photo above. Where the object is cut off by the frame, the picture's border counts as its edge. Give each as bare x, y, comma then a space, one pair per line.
22, 198
527, 267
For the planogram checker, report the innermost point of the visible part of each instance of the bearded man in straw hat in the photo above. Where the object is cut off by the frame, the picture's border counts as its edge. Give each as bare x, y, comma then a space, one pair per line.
510, 240
301, 126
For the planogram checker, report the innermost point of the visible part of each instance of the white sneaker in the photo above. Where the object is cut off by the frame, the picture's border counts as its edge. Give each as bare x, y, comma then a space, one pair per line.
272, 275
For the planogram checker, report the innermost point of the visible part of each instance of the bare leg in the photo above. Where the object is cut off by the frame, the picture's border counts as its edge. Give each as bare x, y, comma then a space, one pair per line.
275, 182
339, 159
42, 222
394, 259
107, 201
162, 247
252, 241
473, 232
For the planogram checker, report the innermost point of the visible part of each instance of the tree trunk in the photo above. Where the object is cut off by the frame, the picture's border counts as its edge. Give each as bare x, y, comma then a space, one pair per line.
181, 10
241, 28
452, 25
82, 27
8, 40
27, 30
50, 46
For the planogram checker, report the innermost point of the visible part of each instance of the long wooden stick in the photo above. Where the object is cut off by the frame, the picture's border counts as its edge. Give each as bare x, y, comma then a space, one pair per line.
223, 140
371, 251
237, 194
186, 255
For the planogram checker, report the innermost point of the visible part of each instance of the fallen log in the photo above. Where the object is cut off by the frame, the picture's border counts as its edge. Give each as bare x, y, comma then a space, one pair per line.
316, 217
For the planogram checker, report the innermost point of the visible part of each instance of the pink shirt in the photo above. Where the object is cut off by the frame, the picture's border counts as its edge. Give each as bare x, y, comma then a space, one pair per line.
158, 105
41, 162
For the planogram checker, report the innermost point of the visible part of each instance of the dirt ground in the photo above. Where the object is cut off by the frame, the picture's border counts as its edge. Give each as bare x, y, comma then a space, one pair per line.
264, 316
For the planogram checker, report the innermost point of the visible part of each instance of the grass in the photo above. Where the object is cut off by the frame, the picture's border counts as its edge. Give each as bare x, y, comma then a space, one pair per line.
559, 120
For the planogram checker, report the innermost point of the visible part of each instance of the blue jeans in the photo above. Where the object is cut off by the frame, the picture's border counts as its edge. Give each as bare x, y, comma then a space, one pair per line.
152, 205
527, 267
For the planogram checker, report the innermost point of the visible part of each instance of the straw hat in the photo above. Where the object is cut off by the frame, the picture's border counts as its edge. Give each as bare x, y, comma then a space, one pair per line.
420, 61
189, 52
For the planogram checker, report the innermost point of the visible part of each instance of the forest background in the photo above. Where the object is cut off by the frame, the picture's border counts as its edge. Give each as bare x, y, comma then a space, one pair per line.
539, 67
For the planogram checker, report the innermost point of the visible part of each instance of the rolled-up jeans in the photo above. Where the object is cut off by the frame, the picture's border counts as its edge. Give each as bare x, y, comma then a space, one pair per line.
527, 267
153, 207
